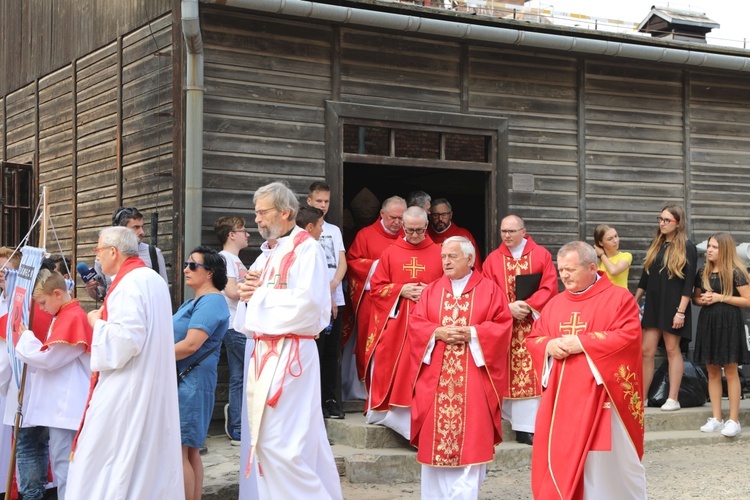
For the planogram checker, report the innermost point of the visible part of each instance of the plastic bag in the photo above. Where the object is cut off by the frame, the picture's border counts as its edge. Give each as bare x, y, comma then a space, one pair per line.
693, 390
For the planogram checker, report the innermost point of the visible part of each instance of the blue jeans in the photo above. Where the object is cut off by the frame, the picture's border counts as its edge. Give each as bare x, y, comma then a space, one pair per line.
32, 457
235, 344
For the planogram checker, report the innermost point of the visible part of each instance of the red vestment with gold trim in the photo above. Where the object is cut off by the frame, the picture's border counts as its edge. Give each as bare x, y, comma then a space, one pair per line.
387, 339
70, 326
454, 230
367, 247
500, 266
456, 405
574, 414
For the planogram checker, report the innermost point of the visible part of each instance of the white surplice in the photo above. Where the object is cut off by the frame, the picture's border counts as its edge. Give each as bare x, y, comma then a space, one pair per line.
130, 446
289, 441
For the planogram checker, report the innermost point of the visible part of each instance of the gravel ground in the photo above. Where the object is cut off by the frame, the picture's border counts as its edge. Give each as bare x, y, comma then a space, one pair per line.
712, 471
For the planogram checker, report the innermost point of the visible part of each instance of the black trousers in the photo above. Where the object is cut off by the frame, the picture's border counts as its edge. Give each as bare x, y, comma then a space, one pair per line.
329, 353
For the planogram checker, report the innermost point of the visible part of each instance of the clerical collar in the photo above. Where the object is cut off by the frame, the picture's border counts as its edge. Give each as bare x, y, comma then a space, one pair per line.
444, 230
587, 288
287, 233
459, 284
518, 251
385, 228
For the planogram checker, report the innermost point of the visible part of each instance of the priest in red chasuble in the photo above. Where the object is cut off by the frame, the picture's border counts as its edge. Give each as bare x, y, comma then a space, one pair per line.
404, 270
442, 227
518, 254
460, 332
587, 346
361, 261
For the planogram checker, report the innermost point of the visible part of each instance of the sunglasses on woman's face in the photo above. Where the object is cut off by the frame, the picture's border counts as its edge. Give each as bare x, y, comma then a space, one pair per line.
194, 265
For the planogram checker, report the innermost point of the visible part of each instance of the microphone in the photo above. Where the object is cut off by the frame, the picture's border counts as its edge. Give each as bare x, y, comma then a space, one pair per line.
86, 273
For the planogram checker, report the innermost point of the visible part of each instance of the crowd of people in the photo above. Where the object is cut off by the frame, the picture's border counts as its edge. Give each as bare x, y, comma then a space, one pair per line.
441, 345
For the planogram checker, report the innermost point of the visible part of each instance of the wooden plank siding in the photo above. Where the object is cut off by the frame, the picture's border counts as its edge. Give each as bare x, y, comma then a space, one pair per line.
96, 148
633, 150
266, 82
56, 156
719, 109
103, 133
537, 93
147, 129
40, 36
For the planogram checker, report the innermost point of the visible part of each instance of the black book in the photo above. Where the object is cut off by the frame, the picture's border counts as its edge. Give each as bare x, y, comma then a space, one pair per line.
527, 284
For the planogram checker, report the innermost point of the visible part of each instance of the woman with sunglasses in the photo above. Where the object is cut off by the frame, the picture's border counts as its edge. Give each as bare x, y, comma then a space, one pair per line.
667, 281
721, 288
199, 327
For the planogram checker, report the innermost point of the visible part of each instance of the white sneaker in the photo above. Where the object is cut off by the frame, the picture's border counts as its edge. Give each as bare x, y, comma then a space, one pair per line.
731, 429
670, 405
712, 425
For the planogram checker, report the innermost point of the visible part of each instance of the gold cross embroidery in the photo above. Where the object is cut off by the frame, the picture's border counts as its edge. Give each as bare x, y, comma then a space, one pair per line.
413, 267
573, 326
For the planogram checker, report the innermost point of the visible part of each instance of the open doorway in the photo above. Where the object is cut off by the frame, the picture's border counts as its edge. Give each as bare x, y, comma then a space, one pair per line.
465, 190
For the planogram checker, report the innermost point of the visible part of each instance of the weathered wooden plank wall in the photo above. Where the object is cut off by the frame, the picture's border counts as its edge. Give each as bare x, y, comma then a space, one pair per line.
20, 125
56, 120
96, 147
147, 128
633, 150
538, 95
400, 71
40, 36
266, 84
103, 133
719, 108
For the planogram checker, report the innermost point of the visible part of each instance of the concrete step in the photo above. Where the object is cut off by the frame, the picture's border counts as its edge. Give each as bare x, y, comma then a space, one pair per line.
353, 431
391, 466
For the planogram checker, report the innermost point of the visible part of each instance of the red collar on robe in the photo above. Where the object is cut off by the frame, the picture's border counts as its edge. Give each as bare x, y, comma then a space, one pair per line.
130, 264
530, 245
70, 326
40, 323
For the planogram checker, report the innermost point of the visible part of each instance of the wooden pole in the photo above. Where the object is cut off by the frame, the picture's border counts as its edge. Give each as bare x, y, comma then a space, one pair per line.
21, 389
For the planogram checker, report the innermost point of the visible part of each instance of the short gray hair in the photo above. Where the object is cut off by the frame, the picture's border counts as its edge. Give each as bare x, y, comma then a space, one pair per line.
393, 200
120, 237
281, 196
586, 253
416, 212
418, 199
466, 247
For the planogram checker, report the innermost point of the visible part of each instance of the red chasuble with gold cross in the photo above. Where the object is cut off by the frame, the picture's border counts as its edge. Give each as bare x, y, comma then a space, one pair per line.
387, 337
502, 268
368, 245
574, 415
456, 407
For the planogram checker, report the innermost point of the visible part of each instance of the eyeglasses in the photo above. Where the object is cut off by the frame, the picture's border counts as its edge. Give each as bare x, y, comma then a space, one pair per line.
440, 215
123, 211
511, 231
194, 265
263, 212
413, 231
99, 249
247, 233
662, 220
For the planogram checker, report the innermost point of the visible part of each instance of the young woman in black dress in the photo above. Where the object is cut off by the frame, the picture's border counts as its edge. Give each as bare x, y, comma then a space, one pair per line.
667, 281
721, 288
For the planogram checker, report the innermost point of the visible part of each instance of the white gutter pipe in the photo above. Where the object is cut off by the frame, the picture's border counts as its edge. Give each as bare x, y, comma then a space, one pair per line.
193, 197
495, 34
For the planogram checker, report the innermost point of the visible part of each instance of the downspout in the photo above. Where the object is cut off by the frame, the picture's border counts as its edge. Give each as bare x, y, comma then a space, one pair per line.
193, 197
689, 56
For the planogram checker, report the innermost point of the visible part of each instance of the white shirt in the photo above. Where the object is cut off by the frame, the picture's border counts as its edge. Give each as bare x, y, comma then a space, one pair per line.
235, 269
333, 245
